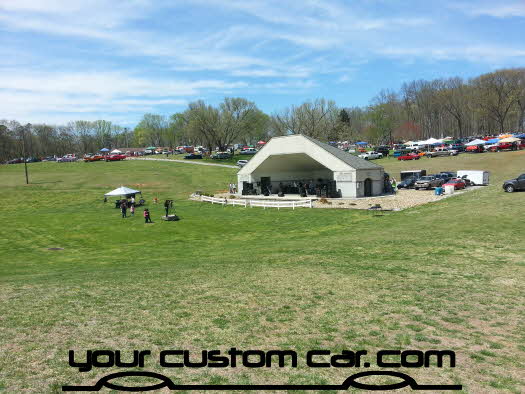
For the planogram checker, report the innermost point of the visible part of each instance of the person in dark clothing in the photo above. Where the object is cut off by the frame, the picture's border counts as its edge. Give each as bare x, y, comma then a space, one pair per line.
147, 218
123, 208
167, 207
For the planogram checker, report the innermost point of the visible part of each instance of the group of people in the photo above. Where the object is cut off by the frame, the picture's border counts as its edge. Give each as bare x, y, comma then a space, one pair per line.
232, 188
126, 203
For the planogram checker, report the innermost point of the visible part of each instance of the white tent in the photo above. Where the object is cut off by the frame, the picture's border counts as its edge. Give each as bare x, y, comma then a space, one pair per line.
116, 151
476, 142
122, 191
510, 139
430, 141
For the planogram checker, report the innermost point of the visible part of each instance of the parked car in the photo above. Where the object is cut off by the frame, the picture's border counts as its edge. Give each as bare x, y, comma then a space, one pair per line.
450, 174
445, 176
475, 149
248, 151
401, 152
242, 163
513, 185
371, 155
458, 183
115, 157
384, 150
458, 147
412, 173
32, 160
407, 183
500, 146
49, 158
15, 161
192, 156
440, 153
93, 158
410, 156
67, 159
428, 182
221, 155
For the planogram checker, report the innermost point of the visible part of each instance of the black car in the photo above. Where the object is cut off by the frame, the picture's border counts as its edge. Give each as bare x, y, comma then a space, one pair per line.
513, 185
193, 156
407, 183
33, 160
384, 150
446, 176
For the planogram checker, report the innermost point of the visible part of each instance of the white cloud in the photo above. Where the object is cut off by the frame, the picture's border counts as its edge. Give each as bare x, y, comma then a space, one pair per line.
496, 9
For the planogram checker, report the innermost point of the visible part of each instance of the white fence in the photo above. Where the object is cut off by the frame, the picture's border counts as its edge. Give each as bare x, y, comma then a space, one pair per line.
259, 203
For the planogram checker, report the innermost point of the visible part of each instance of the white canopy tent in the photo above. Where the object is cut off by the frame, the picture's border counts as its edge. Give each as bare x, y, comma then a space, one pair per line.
122, 191
476, 142
116, 151
510, 139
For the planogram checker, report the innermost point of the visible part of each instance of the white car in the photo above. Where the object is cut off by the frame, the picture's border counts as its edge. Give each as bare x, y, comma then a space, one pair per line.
248, 151
371, 155
242, 163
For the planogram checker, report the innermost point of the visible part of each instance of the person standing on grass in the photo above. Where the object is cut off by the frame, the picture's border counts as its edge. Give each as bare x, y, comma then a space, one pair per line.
123, 208
167, 207
147, 218
132, 209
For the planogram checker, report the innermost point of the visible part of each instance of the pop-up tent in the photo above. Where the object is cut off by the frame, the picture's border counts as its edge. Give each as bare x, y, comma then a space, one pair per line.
476, 142
122, 191
493, 141
104, 150
510, 139
116, 151
361, 143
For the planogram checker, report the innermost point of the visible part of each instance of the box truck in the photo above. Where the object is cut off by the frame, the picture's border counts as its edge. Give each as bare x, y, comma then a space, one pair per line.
476, 177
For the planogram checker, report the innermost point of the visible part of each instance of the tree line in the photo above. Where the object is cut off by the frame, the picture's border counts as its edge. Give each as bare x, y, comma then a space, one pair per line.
489, 104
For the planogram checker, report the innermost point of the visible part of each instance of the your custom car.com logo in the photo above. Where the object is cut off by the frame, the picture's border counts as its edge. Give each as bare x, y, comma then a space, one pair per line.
260, 359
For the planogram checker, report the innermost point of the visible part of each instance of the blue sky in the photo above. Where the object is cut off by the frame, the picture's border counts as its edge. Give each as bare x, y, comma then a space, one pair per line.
63, 60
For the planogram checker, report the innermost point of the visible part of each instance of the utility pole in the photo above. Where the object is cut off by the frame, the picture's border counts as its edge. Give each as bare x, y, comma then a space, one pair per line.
24, 153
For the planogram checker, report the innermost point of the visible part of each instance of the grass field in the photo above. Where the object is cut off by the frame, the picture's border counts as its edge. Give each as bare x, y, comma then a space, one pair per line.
447, 275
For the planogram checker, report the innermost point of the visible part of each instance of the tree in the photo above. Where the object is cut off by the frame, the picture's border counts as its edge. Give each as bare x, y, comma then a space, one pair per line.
234, 120
496, 94
453, 94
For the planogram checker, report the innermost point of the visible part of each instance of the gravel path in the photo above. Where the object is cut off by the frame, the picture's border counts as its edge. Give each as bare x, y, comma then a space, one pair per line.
186, 162
403, 199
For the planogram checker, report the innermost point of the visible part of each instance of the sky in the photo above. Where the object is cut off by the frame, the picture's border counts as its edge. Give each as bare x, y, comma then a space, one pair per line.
63, 60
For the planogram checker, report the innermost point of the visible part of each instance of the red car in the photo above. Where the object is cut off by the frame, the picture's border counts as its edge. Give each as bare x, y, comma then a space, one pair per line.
499, 147
457, 183
410, 156
115, 157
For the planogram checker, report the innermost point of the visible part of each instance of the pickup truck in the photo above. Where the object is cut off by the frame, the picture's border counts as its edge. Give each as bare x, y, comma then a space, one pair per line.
513, 185
428, 182
371, 155
440, 153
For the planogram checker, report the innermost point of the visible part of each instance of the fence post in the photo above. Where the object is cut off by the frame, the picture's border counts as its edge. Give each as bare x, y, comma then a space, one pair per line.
310, 203
293, 205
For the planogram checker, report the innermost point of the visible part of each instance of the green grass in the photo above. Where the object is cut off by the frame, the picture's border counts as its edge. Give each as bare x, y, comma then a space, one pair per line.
447, 275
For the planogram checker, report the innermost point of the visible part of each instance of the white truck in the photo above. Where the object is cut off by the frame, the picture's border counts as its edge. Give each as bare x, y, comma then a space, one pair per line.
476, 177
371, 155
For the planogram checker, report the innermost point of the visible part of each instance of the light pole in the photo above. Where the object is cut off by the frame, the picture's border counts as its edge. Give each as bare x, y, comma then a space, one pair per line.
24, 153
